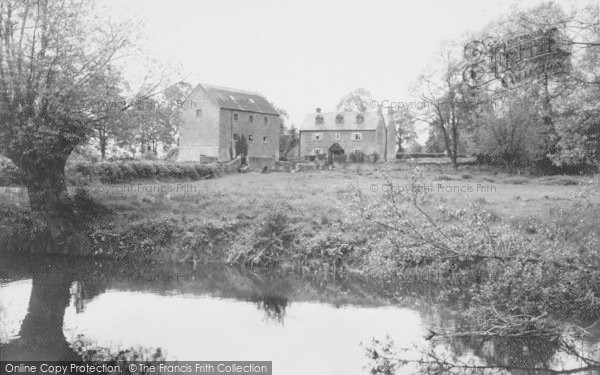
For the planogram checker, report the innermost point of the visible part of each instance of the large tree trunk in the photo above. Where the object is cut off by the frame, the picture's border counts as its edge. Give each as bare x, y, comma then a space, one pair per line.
53, 223
41, 334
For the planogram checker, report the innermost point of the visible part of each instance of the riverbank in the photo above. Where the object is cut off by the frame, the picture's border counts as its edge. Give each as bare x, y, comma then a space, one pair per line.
513, 243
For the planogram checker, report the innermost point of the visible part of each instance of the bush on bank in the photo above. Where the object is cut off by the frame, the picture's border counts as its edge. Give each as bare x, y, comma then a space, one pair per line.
275, 241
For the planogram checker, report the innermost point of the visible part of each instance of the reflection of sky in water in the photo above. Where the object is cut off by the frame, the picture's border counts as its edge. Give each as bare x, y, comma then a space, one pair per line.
314, 338
14, 300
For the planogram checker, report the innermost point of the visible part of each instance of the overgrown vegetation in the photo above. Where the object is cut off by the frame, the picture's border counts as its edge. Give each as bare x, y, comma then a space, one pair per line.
532, 278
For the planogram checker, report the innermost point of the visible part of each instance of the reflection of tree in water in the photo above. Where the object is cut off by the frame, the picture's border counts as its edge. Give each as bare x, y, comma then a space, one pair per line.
89, 351
487, 355
474, 353
509, 352
41, 335
273, 306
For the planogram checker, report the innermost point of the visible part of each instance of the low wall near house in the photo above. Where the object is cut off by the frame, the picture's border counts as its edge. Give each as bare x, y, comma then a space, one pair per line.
306, 167
258, 163
283, 166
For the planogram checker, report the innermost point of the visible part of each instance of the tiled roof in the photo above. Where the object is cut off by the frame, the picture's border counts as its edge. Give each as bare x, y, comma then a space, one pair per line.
240, 100
370, 122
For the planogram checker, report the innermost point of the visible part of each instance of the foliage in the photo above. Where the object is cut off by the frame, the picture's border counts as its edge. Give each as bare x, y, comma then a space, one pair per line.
507, 132
358, 100
357, 157
57, 84
404, 121
280, 241
128, 171
446, 99
520, 272
550, 118
57, 65
9, 173
288, 140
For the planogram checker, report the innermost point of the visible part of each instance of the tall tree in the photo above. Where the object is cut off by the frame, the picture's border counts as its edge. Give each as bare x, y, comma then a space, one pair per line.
561, 107
56, 61
404, 121
357, 100
447, 101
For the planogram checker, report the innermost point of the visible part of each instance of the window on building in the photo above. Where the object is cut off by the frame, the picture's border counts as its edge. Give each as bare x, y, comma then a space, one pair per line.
357, 136
236, 137
338, 135
356, 150
235, 116
317, 151
250, 138
251, 118
319, 120
339, 119
317, 136
198, 113
360, 118
266, 120
265, 138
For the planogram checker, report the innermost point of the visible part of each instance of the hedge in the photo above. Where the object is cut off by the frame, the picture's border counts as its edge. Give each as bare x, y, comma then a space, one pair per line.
408, 155
119, 172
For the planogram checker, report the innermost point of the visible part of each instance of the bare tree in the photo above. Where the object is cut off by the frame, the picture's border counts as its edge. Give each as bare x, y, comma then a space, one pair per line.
447, 102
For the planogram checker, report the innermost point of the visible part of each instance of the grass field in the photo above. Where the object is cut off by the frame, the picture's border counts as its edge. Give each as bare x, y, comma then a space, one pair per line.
319, 194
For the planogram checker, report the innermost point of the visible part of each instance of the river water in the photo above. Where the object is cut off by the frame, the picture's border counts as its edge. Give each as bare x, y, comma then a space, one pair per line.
64, 309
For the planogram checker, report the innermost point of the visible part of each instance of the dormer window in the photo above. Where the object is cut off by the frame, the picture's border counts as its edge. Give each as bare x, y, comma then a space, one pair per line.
339, 119
319, 120
360, 119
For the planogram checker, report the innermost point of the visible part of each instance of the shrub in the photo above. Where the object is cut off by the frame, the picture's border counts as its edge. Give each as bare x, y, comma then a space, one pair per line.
357, 157
339, 158
149, 155
516, 180
561, 180
127, 170
443, 177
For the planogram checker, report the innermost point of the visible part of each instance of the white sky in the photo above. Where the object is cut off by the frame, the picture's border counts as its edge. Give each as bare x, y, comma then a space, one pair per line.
305, 54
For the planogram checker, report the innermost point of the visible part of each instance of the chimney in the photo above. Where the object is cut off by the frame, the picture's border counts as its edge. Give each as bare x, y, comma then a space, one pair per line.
318, 110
